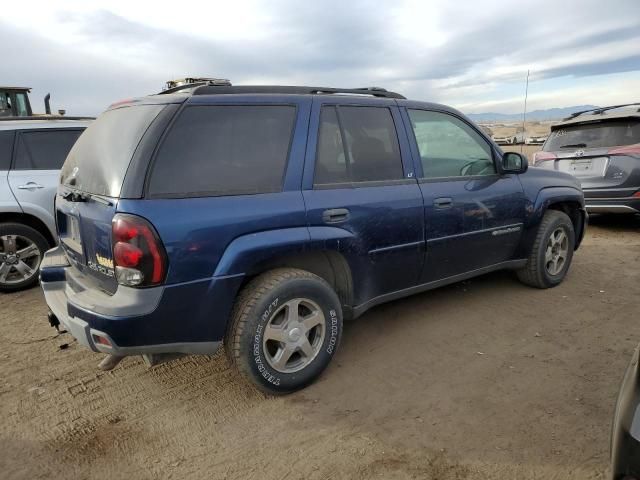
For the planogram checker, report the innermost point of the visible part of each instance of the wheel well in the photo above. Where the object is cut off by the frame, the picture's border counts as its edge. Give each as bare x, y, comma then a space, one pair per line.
328, 265
574, 212
31, 221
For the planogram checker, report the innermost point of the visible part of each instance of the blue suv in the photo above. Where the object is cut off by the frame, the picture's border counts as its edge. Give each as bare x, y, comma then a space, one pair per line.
261, 217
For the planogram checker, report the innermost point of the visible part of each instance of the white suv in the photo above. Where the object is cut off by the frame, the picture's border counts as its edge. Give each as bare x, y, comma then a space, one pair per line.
32, 151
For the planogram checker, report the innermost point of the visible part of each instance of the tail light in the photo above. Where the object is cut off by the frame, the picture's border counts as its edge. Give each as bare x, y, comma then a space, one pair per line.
138, 254
541, 156
631, 150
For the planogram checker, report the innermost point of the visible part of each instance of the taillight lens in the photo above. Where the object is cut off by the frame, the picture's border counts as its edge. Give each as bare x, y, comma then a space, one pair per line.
138, 254
631, 150
541, 156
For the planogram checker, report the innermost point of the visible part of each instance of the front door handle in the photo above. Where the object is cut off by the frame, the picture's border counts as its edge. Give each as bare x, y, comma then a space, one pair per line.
335, 215
444, 202
30, 186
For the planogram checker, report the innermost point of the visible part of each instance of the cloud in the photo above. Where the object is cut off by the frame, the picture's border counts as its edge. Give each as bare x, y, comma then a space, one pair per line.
438, 50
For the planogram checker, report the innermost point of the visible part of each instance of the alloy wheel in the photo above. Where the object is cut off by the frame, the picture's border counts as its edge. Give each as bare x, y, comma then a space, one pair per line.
19, 259
294, 335
556, 252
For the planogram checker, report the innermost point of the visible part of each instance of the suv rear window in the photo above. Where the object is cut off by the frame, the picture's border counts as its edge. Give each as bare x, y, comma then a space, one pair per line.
98, 161
44, 149
372, 152
595, 135
224, 150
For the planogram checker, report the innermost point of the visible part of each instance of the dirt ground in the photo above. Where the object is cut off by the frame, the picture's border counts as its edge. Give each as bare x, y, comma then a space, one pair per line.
484, 379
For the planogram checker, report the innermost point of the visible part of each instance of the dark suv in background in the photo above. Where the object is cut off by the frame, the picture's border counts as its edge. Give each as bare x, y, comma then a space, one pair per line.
260, 217
601, 147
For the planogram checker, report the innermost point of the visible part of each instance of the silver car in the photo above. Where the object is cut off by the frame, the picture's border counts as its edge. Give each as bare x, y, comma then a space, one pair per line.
32, 151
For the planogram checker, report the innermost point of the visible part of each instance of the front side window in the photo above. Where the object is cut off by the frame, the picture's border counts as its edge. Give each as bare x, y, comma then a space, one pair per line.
357, 144
224, 150
449, 147
44, 150
5, 105
21, 105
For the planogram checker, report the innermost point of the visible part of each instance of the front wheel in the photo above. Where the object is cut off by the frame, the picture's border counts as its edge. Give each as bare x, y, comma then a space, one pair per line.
552, 252
285, 329
21, 251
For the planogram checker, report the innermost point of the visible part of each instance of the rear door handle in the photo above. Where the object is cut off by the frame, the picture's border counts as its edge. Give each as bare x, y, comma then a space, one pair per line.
335, 215
30, 186
443, 202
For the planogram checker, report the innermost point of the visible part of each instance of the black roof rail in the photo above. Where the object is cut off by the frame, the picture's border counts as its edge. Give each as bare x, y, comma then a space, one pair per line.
599, 110
281, 89
46, 117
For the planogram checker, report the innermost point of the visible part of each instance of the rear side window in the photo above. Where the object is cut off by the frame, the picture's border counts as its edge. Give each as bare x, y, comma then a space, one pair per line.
44, 149
224, 150
357, 144
6, 149
597, 135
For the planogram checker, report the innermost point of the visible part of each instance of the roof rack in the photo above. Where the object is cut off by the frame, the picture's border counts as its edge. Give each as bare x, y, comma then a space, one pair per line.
280, 89
180, 84
599, 110
46, 117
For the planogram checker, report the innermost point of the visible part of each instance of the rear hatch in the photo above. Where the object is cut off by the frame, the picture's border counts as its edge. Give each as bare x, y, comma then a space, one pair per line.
602, 155
91, 181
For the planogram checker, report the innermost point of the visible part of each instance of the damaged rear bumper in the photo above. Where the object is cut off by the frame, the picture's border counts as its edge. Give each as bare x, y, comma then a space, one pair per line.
151, 321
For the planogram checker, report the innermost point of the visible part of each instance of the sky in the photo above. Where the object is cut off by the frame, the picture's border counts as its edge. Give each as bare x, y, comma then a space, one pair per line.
470, 54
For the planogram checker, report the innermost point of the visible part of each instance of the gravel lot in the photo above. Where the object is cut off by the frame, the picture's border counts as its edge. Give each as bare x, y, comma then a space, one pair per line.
484, 379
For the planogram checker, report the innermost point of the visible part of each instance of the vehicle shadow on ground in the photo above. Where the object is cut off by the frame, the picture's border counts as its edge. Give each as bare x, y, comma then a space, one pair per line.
616, 223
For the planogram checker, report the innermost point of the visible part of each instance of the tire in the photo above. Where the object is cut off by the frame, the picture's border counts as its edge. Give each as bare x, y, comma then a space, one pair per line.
257, 342
16, 237
540, 272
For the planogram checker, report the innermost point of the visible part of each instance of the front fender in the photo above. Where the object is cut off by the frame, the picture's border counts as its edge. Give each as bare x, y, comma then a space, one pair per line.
545, 199
550, 195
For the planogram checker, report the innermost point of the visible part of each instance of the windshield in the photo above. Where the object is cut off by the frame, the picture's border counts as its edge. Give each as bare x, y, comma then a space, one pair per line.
595, 135
98, 161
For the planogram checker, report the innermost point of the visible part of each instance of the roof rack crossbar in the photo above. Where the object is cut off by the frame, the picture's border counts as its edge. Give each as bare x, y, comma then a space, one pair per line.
173, 86
599, 110
280, 89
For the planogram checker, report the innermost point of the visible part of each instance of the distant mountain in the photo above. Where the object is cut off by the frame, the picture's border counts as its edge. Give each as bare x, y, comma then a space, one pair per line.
535, 115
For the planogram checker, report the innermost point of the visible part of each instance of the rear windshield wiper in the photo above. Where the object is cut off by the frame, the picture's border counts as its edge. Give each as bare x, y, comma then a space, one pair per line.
72, 196
575, 145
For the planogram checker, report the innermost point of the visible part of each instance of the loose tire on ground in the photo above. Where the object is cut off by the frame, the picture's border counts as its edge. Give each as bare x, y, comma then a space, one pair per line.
272, 317
555, 239
9, 264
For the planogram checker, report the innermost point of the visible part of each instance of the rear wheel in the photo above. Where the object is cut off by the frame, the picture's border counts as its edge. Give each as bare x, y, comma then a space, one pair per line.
21, 251
552, 252
285, 329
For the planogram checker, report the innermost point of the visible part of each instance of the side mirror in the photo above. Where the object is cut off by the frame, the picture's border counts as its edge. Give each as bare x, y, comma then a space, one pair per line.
513, 162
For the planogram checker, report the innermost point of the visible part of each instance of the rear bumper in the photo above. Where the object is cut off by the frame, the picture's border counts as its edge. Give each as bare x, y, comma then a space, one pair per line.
625, 437
184, 318
597, 204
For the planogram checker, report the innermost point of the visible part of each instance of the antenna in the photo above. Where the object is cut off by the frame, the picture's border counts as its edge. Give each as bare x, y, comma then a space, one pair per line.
524, 113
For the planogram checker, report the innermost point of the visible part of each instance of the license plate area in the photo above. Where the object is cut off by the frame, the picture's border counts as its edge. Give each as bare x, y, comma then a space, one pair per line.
584, 167
70, 234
